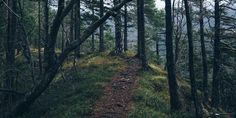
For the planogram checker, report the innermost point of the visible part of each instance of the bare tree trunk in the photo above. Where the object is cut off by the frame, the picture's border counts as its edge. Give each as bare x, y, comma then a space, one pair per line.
125, 29
173, 86
46, 29
77, 31
62, 38
141, 32
176, 49
204, 60
191, 61
156, 38
139, 51
39, 38
217, 55
72, 23
10, 50
101, 31
118, 38
93, 38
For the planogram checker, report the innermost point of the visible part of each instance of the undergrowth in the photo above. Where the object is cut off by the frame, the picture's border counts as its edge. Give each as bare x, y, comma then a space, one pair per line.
74, 91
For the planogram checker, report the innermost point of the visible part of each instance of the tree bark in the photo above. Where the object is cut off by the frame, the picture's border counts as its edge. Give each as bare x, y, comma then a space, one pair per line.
173, 86
101, 31
139, 51
72, 23
118, 38
77, 26
216, 61
204, 60
141, 32
93, 36
125, 29
46, 28
10, 49
156, 38
39, 38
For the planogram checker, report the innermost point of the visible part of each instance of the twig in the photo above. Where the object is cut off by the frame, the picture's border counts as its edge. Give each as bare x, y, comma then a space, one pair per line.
10, 9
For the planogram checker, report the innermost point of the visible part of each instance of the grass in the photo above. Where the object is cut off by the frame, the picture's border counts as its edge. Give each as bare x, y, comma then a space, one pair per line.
74, 95
74, 91
151, 97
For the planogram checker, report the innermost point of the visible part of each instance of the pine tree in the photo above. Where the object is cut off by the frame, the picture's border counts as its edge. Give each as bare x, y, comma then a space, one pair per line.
217, 55
141, 32
173, 86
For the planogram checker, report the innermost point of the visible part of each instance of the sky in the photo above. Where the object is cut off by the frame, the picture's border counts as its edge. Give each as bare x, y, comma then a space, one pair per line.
160, 4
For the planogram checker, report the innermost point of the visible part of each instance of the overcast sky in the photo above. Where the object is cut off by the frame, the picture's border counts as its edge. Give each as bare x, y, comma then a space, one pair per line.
160, 4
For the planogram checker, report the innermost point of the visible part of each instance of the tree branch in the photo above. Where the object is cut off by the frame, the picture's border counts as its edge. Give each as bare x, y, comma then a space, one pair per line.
89, 31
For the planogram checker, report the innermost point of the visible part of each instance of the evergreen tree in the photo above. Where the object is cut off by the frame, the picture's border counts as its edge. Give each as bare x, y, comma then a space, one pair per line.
173, 86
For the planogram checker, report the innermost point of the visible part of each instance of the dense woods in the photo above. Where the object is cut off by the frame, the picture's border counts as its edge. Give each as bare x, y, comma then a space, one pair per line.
117, 58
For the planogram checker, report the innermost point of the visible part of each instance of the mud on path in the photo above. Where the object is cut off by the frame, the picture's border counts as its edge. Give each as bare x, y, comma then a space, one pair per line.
116, 101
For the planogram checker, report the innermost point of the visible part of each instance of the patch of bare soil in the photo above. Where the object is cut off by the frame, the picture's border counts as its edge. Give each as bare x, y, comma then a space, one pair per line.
116, 101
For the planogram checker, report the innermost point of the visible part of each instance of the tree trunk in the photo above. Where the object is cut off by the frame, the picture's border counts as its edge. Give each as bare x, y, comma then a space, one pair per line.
157, 49
62, 38
93, 38
177, 39
125, 29
141, 32
39, 38
118, 38
77, 31
139, 51
10, 49
46, 29
173, 86
101, 31
191, 61
204, 60
72, 23
217, 55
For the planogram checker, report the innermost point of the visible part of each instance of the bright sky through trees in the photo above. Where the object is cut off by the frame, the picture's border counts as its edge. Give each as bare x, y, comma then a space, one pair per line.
160, 4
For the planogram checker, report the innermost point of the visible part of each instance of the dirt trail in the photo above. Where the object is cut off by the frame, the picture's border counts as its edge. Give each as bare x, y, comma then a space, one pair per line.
116, 101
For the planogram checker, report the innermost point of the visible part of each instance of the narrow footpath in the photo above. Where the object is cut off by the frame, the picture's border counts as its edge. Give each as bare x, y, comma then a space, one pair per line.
117, 97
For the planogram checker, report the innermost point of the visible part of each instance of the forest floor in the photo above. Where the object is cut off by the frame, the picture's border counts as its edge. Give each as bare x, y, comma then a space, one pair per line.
104, 86
117, 99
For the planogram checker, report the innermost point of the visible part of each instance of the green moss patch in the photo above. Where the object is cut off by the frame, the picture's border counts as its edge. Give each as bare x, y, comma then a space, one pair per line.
151, 97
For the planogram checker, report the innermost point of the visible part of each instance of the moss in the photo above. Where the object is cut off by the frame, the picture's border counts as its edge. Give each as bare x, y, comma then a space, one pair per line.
128, 54
157, 69
151, 97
